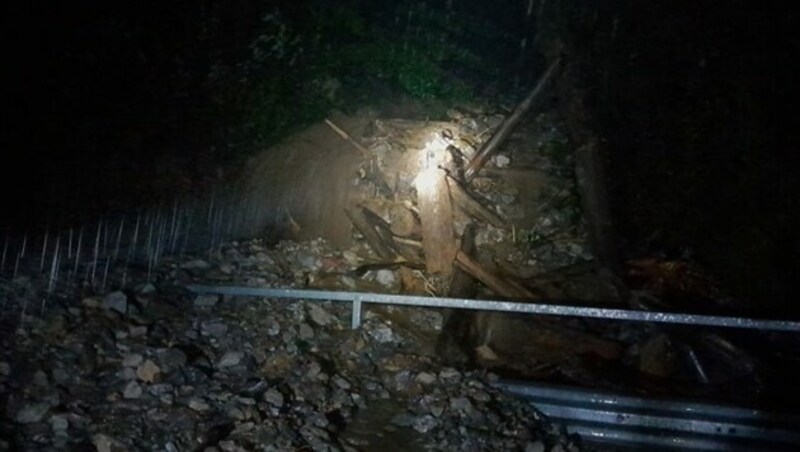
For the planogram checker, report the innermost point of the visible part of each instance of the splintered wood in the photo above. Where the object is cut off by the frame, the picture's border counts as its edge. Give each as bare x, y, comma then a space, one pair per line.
436, 218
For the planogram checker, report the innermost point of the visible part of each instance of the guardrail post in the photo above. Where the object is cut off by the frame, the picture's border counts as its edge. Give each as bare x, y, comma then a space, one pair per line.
356, 317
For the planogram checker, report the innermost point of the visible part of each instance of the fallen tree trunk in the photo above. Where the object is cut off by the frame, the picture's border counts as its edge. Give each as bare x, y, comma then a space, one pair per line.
369, 225
499, 285
436, 219
491, 146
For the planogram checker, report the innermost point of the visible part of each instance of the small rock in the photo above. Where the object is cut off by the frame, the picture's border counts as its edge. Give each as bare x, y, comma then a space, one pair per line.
426, 378
305, 331
382, 333
127, 374
137, 331
501, 161
485, 352
226, 269
132, 360
386, 278
462, 404
403, 420
116, 301
319, 315
59, 424
40, 379
5, 369
230, 359
536, 446
198, 405
196, 264
273, 397
273, 327
146, 289
213, 328
133, 390
230, 446
32, 413
448, 373
307, 260
339, 381
91, 303
206, 301
424, 424
103, 443
171, 359
148, 371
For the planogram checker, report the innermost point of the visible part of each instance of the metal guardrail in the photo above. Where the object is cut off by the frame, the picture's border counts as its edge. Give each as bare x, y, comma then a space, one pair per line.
358, 299
637, 422
602, 417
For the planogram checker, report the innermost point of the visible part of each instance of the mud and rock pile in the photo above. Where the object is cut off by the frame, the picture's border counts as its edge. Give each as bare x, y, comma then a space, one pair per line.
157, 369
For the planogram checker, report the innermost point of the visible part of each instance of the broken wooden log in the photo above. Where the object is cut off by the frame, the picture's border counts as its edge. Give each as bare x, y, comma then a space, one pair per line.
463, 285
346, 136
369, 227
492, 145
497, 284
436, 219
471, 206
454, 342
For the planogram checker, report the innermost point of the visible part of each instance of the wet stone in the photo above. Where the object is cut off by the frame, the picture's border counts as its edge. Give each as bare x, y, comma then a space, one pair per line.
171, 359
305, 331
132, 360
133, 390
230, 359
319, 315
426, 378
148, 371
196, 264
206, 301
213, 328
274, 397
127, 374
199, 405
137, 331
536, 446
59, 424
273, 327
32, 413
424, 424
462, 404
116, 301
40, 379
382, 333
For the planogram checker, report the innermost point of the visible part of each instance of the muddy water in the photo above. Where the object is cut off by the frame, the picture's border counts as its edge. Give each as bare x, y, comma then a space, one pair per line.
372, 430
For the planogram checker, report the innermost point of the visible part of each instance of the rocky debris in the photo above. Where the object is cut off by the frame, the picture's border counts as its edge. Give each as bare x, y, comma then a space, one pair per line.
236, 376
206, 301
33, 413
116, 301
175, 372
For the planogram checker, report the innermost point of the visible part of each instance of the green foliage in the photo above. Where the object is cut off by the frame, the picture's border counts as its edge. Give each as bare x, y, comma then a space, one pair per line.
325, 55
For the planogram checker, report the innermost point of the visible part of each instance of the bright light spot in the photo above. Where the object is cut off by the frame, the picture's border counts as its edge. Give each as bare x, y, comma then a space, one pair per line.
426, 181
433, 152
431, 157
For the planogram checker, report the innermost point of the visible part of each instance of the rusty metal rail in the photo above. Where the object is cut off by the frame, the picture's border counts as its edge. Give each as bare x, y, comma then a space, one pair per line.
358, 300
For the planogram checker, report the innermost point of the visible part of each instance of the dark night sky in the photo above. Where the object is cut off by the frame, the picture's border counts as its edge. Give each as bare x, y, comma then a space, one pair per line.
110, 101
